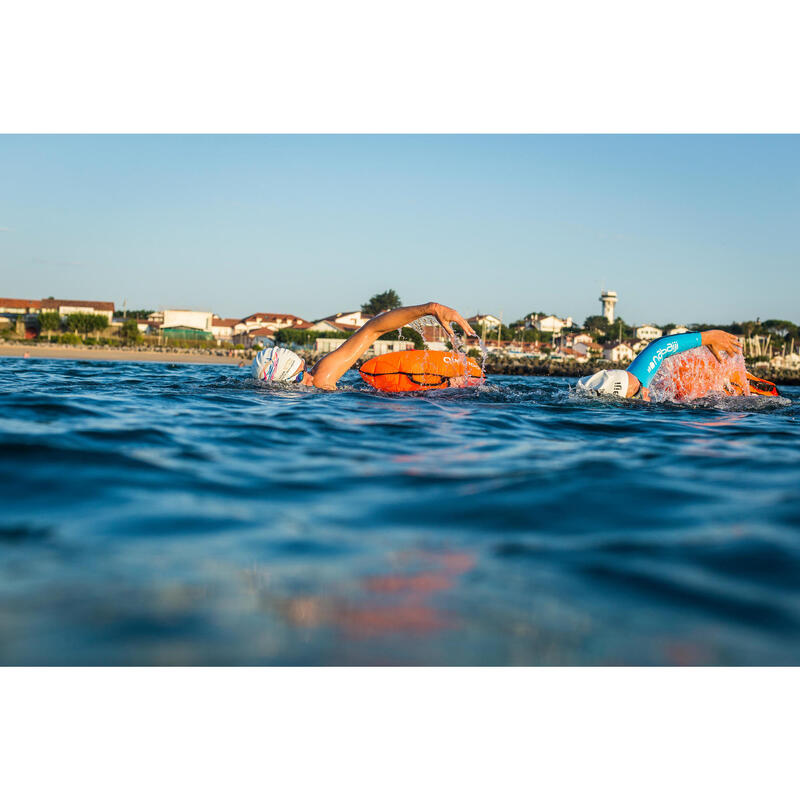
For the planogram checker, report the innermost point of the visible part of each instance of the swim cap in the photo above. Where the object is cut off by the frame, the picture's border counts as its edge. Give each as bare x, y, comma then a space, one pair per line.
276, 364
607, 381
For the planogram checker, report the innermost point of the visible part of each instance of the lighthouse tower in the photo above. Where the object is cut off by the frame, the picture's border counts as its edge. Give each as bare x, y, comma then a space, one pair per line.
609, 300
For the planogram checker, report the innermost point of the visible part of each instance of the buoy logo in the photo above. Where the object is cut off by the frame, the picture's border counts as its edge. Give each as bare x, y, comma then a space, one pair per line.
450, 360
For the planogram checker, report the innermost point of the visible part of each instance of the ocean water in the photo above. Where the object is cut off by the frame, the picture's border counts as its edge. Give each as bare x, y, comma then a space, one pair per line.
179, 514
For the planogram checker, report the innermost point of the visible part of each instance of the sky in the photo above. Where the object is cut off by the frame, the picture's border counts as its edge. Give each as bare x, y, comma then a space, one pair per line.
684, 228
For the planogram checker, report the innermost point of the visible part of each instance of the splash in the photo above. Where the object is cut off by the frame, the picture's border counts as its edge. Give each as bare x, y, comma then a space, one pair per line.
696, 374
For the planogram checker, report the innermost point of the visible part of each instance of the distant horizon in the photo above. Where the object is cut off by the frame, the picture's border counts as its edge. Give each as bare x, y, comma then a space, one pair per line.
688, 229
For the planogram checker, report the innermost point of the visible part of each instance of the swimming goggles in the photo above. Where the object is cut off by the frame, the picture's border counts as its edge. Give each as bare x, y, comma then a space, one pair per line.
299, 376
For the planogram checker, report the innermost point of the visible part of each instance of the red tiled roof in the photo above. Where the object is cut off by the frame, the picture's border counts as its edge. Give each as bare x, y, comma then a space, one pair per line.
228, 322
261, 332
11, 302
95, 304
273, 317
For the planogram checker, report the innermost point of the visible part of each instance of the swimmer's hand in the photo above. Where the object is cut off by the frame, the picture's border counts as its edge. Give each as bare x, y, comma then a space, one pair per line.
719, 342
446, 315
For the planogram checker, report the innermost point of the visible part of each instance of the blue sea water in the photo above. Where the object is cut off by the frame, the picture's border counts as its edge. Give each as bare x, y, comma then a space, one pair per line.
180, 514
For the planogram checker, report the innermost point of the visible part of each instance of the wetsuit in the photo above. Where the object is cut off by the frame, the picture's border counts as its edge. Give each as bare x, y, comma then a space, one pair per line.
646, 364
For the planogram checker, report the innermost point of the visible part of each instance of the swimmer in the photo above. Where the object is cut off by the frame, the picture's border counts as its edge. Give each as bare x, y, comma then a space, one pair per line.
280, 364
633, 382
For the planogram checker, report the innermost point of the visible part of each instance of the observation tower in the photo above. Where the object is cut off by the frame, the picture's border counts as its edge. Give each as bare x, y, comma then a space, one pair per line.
609, 300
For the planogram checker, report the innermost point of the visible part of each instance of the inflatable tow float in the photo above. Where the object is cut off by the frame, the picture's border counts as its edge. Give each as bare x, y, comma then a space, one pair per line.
421, 370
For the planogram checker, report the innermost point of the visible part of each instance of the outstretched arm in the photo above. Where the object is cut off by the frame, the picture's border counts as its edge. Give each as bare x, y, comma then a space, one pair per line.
335, 364
646, 364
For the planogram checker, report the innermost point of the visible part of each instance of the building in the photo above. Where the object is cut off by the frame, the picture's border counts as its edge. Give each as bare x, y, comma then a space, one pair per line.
223, 329
9, 306
328, 326
67, 307
608, 300
677, 329
618, 352
484, 321
787, 361
276, 321
257, 336
637, 345
354, 318
379, 347
183, 318
323, 346
183, 324
435, 337
648, 332
548, 324
583, 338
382, 346
589, 349
21, 316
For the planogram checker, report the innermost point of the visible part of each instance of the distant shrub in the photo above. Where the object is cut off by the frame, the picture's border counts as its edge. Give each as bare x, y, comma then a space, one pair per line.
70, 338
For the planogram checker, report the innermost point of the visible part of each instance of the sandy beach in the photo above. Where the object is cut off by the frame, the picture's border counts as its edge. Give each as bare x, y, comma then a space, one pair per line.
111, 354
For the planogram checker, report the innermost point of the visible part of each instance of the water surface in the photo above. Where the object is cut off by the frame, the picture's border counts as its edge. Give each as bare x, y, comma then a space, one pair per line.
179, 514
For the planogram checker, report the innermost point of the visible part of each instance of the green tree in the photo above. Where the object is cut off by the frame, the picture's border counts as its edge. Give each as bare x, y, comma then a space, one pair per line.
782, 328
597, 323
129, 333
86, 323
138, 313
385, 301
49, 321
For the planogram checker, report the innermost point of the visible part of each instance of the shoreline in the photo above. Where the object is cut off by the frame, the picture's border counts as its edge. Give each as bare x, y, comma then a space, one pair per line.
123, 354
495, 365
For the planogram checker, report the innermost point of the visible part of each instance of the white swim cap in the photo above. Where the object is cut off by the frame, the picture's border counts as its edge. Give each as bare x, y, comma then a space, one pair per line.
607, 381
276, 364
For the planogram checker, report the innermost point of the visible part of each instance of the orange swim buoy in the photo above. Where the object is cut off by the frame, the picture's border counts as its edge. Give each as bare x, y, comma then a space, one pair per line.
421, 370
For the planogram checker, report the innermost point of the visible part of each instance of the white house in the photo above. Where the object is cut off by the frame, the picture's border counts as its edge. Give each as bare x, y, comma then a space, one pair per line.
184, 318
10, 305
328, 326
788, 361
548, 324
435, 337
588, 349
356, 318
677, 329
484, 321
648, 332
65, 307
381, 346
276, 321
618, 352
223, 329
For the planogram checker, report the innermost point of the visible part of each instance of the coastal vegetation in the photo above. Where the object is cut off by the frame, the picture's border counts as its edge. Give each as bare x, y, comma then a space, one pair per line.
385, 301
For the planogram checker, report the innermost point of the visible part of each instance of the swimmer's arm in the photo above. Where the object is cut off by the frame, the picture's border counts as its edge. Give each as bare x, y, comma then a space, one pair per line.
646, 364
335, 364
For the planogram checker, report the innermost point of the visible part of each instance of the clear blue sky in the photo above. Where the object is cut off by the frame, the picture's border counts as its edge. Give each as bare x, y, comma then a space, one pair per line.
684, 228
